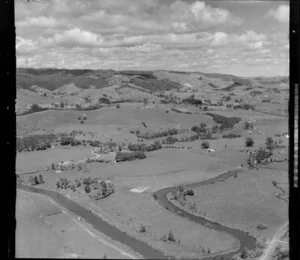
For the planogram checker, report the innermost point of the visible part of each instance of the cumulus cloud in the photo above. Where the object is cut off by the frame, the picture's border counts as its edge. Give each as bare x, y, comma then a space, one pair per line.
25, 46
281, 14
76, 37
41, 21
143, 34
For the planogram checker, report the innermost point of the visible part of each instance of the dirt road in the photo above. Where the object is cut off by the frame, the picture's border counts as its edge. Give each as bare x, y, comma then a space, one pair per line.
274, 242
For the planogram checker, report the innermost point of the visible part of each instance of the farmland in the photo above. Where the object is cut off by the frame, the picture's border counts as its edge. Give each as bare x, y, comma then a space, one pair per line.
162, 137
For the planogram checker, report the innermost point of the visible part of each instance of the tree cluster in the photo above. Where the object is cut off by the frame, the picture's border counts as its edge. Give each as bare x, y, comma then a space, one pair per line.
232, 135
224, 121
145, 148
35, 180
153, 135
129, 156
35, 142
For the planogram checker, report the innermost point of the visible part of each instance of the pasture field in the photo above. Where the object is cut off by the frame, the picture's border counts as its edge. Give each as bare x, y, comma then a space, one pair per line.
130, 116
128, 210
54, 233
39, 160
245, 202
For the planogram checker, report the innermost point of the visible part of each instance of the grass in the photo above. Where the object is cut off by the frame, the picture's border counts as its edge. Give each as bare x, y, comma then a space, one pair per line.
246, 202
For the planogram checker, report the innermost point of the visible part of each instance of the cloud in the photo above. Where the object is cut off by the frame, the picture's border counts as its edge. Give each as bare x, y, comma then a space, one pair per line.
256, 45
281, 14
76, 37
220, 38
25, 46
41, 21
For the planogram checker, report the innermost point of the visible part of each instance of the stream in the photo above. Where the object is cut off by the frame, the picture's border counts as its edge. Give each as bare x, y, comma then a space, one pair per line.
246, 241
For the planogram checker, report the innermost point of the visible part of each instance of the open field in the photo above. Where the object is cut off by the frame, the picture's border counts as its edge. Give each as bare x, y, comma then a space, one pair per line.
55, 234
245, 202
39, 160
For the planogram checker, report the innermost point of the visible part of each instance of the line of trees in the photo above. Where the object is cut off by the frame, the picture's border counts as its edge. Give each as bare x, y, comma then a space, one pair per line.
129, 156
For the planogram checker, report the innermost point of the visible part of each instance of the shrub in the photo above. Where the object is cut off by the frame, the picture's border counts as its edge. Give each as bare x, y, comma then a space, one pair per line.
261, 227
33, 180
118, 106
87, 181
261, 154
125, 156
87, 189
142, 228
189, 192
249, 142
35, 108
225, 122
248, 125
79, 117
81, 122
231, 135
171, 237
40, 179
269, 143
205, 145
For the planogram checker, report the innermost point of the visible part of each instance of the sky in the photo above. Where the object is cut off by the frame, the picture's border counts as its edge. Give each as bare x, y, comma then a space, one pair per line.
240, 37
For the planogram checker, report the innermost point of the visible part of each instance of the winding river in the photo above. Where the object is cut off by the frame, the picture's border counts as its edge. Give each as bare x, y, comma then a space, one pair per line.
246, 241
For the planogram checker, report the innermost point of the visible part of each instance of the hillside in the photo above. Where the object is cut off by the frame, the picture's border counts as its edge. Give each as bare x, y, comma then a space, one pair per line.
52, 87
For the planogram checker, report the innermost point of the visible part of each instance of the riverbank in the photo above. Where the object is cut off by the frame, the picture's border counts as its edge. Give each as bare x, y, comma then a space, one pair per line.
56, 233
98, 224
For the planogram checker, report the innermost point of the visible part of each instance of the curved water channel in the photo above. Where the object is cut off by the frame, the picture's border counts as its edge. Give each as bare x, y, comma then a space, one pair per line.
246, 241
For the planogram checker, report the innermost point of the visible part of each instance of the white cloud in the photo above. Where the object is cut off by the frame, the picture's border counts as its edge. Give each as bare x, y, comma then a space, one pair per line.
41, 21
220, 38
77, 37
256, 45
281, 14
25, 46
250, 36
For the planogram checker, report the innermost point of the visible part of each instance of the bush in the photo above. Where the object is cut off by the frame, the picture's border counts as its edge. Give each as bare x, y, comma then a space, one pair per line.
205, 145
269, 143
231, 135
249, 142
142, 228
171, 237
261, 227
261, 154
189, 192
225, 122
248, 125
40, 179
125, 156
33, 180
87, 189
35, 108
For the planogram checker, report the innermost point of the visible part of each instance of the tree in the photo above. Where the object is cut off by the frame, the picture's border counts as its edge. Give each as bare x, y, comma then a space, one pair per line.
269, 143
62, 105
145, 101
35, 108
249, 142
248, 125
87, 189
40, 179
205, 145
118, 106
